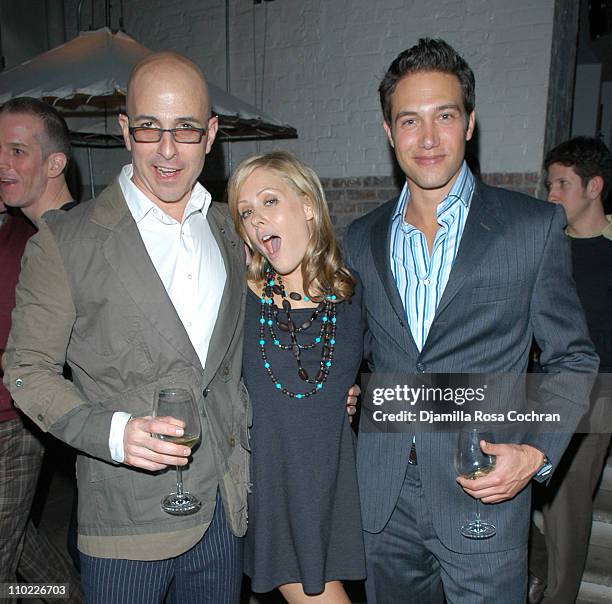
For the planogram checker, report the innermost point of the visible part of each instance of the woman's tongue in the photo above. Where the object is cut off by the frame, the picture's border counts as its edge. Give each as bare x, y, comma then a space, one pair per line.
272, 245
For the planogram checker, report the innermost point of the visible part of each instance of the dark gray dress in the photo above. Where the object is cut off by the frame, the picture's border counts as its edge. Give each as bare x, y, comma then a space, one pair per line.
304, 519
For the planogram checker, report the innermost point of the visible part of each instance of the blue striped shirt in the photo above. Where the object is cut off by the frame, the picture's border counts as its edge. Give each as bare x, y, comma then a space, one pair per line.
421, 278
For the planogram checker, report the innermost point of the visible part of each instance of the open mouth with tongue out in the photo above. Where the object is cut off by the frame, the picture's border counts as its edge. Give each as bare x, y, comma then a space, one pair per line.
272, 244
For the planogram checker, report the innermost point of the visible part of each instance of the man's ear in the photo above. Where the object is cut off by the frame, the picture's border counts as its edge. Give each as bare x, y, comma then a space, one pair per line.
388, 133
595, 187
471, 122
56, 162
211, 132
124, 124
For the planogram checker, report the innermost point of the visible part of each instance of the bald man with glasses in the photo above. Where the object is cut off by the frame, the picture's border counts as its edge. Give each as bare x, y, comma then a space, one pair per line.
141, 289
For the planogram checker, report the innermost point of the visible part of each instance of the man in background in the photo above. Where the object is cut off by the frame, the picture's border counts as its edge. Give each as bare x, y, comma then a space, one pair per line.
34, 154
579, 177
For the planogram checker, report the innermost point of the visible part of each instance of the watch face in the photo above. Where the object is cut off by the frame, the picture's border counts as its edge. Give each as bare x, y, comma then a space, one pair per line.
546, 467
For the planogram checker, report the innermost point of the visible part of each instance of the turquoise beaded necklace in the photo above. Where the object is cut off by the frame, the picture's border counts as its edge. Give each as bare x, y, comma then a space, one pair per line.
269, 320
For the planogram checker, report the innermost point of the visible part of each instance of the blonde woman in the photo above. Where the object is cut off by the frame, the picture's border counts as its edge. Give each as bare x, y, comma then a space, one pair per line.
302, 351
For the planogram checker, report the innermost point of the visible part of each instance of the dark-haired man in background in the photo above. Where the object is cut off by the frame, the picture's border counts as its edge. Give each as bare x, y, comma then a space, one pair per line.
458, 277
34, 153
579, 178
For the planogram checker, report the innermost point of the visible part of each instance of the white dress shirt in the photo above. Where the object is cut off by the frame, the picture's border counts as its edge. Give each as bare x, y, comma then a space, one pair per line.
189, 263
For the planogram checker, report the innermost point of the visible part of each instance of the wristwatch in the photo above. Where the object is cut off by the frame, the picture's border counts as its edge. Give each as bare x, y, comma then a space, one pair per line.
545, 469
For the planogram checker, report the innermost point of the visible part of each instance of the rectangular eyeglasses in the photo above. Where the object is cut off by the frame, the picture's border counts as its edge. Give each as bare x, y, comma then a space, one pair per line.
144, 134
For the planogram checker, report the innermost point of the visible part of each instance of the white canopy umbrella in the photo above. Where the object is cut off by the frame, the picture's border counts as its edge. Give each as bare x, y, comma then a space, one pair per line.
86, 79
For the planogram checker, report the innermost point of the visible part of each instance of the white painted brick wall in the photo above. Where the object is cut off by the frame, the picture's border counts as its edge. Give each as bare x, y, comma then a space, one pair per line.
325, 58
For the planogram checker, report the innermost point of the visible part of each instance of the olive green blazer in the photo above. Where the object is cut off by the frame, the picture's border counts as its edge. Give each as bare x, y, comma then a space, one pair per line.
89, 294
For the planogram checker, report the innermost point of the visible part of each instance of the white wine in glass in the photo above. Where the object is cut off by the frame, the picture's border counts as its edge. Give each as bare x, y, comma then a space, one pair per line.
180, 404
472, 463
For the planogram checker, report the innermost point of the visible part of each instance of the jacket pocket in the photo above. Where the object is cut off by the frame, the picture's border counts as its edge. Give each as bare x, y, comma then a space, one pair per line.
496, 293
107, 496
105, 327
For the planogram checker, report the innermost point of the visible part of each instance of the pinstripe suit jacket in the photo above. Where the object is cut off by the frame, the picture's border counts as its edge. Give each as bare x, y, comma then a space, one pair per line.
511, 280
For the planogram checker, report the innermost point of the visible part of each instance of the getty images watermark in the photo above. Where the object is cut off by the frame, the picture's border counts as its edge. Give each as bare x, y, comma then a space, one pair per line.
507, 402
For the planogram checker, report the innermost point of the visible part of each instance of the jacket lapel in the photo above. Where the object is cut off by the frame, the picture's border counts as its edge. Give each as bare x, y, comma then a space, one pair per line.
127, 255
381, 232
233, 299
481, 226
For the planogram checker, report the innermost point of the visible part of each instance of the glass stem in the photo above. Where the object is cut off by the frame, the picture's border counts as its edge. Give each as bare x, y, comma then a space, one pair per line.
179, 481
478, 502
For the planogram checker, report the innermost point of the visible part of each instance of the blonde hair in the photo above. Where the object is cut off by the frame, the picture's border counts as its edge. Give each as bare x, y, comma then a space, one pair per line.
323, 270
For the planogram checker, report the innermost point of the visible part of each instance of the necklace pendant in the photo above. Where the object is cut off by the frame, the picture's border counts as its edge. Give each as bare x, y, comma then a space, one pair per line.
303, 375
306, 324
286, 304
282, 326
295, 296
277, 290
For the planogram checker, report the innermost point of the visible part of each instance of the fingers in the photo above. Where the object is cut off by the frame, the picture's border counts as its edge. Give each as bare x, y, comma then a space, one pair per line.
143, 450
351, 407
513, 470
492, 448
169, 426
351, 401
146, 459
478, 486
493, 494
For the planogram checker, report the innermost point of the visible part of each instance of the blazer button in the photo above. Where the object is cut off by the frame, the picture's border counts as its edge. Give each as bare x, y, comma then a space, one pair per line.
205, 392
19, 383
232, 442
40, 416
420, 367
226, 371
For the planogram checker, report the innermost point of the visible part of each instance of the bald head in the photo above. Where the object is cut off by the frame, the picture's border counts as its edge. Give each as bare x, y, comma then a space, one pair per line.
170, 70
167, 93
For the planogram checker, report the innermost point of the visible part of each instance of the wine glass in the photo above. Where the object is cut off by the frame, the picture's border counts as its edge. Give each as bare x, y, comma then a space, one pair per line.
472, 463
180, 404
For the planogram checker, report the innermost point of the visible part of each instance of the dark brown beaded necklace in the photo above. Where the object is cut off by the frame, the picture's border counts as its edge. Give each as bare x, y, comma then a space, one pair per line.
269, 319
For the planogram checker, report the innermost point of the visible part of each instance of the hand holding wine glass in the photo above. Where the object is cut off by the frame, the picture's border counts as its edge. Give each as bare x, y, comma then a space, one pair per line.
145, 451
179, 403
472, 463
515, 466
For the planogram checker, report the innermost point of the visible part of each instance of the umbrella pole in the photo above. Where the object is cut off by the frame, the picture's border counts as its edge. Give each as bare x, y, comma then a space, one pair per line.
92, 188
228, 78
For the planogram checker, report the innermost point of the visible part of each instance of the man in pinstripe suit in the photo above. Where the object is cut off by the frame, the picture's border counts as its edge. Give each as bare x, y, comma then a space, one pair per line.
458, 277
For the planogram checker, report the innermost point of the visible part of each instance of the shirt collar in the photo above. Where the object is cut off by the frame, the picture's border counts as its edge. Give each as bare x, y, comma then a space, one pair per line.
140, 205
607, 231
461, 191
